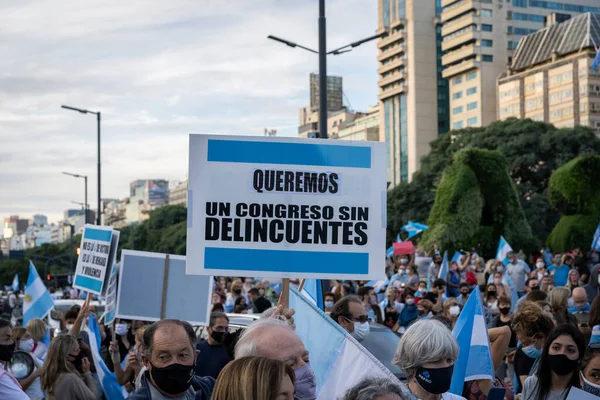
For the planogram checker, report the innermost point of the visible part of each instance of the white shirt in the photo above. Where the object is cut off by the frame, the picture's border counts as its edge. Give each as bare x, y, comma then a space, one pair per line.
8, 388
12, 300
41, 350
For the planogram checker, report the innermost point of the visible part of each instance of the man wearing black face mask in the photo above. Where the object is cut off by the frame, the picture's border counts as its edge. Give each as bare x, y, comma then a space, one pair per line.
213, 353
169, 357
9, 386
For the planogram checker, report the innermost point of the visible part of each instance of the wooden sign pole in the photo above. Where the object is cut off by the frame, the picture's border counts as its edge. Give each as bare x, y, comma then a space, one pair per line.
284, 299
163, 306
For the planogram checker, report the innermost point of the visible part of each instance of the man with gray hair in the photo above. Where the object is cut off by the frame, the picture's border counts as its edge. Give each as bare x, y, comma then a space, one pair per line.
427, 353
274, 339
375, 389
169, 357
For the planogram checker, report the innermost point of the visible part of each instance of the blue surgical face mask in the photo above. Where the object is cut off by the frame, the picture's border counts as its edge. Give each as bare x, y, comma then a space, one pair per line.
532, 352
589, 386
306, 383
329, 304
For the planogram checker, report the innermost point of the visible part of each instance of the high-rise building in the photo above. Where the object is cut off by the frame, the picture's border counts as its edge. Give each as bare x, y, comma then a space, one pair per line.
146, 195
334, 93
336, 120
40, 220
363, 128
178, 196
14, 225
412, 93
551, 79
479, 38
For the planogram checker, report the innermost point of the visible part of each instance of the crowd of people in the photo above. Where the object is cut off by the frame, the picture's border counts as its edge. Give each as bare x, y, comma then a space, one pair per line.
543, 327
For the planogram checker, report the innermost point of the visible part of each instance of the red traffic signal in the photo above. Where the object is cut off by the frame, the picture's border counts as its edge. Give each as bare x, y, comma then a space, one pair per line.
48, 277
78, 251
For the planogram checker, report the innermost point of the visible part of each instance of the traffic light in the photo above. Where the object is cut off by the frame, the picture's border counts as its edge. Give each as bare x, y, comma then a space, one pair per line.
48, 277
78, 251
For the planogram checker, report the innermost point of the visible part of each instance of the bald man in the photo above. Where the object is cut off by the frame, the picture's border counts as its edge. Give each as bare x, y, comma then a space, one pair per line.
581, 308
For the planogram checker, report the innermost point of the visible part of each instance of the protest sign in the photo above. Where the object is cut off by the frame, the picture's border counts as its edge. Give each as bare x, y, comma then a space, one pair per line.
154, 286
111, 295
94, 258
286, 208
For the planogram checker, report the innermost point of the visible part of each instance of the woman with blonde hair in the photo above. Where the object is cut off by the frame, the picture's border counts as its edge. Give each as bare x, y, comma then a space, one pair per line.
37, 329
32, 384
452, 309
559, 300
255, 378
573, 279
60, 378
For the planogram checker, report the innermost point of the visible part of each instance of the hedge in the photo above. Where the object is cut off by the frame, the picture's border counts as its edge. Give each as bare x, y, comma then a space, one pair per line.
573, 231
575, 187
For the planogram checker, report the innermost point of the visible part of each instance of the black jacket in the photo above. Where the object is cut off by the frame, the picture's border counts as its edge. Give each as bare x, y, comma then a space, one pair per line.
201, 389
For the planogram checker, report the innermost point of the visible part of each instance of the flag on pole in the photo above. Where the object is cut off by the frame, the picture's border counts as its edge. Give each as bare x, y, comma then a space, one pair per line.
390, 252
503, 250
596, 62
475, 357
107, 379
414, 228
398, 238
337, 359
37, 302
444, 267
313, 291
15, 283
596, 241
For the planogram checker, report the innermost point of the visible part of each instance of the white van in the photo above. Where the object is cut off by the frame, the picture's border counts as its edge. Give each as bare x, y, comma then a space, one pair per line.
64, 305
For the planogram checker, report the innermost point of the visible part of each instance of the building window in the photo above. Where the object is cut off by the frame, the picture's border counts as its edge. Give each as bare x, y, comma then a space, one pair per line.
486, 27
456, 81
510, 28
487, 58
457, 95
457, 125
386, 13
471, 75
486, 13
512, 45
486, 43
472, 106
520, 3
524, 31
472, 90
472, 121
529, 17
457, 110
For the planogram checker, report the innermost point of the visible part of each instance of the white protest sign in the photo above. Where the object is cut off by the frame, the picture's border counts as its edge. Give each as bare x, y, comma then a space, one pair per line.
94, 258
578, 394
287, 208
111, 295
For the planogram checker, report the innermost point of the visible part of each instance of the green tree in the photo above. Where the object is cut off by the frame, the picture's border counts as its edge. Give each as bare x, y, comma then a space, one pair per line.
532, 150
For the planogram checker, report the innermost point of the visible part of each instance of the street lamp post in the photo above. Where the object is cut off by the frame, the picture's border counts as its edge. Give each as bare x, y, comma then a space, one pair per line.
86, 197
323, 53
98, 118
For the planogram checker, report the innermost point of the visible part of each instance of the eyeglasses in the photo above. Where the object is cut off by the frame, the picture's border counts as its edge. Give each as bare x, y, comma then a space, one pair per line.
362, 319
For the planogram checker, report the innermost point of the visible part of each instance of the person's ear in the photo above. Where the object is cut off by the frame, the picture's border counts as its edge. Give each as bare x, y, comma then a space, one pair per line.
342, 321
146, 362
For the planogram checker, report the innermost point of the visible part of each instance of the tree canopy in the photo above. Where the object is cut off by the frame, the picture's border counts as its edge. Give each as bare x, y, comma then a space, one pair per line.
532, 151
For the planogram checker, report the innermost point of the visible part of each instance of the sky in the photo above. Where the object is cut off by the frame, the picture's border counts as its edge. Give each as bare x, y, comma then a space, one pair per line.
158, 71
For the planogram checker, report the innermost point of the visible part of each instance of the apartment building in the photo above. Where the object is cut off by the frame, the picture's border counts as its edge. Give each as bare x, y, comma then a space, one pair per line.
479, 39
363, 128
550, 78
413, 96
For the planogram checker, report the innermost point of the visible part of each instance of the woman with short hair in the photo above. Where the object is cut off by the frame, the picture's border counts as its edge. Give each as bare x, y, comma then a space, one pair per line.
427, 353
255, 378
37, 329
558, 369
375, 389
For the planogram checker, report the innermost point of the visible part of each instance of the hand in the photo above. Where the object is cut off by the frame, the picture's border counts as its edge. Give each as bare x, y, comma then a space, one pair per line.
84, 312
85, 365
288, 314
131, 361
59, 315
435, 246
113, 350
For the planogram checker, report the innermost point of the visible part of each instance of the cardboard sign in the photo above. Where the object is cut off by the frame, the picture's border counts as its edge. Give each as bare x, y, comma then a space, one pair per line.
95, 258
282, 207
111, 295
154, 286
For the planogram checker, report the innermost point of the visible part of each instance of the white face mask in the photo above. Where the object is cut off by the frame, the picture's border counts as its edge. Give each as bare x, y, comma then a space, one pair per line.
500, 269
69, 327
121, 329
540, 265
26, 345
361, 331
454, 310
410, 302
403, 261
401, 272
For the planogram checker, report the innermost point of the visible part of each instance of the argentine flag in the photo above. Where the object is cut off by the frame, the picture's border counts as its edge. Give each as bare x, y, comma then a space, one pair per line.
37, 302
503, 250
475, 357
107, 379
337, 359
15, 283
444, 267
596, 241
456, 257
313, 291
414, 228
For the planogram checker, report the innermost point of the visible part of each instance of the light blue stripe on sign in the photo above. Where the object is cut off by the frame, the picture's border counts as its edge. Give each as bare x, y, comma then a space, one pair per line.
286, 261
97, 234
89, 283
323, 155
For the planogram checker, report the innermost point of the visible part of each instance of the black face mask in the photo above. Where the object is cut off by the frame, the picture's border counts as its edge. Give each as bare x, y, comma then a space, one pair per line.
218, 337
237, 292
78, 362
6, 351
561, 364
464, 293
435, 380
504, 310
174, 379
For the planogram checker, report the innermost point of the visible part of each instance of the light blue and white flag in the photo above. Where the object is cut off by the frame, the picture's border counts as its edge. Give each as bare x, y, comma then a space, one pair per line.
378, 285
414, 228
475, 356
15, 284
503, 250
313, 291
456, 257
108, 380
444, 267
596, 62
596, 241
398, 238
390, 252
37, 302
337, 359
